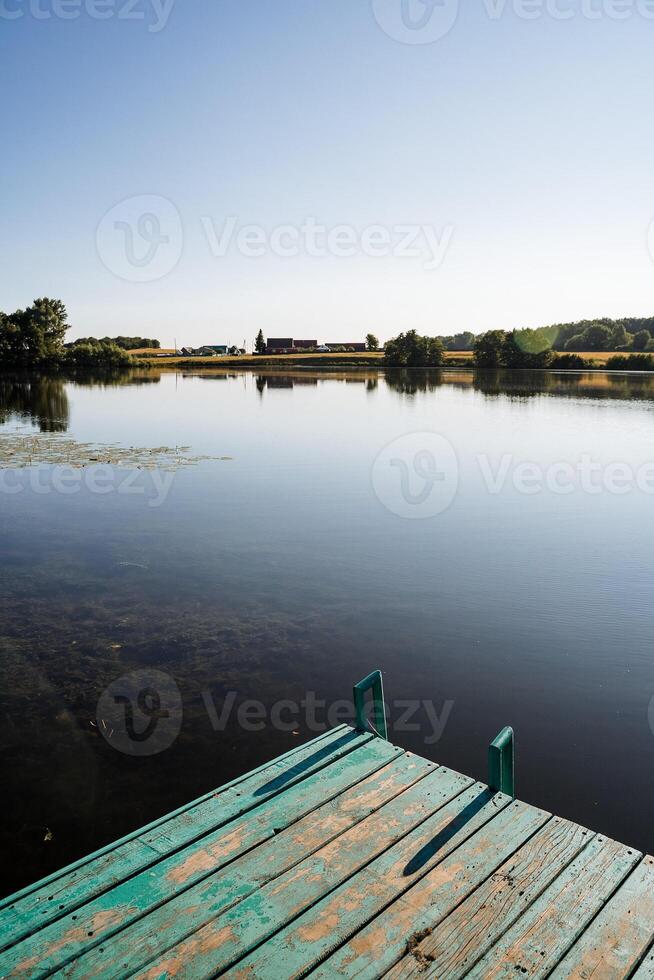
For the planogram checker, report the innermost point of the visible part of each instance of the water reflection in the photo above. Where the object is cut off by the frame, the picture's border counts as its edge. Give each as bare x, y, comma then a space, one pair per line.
43, 402
513, 384
279, 573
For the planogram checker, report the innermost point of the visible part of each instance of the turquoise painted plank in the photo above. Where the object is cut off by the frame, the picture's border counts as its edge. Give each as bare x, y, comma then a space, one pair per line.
646, 970
421, 882
65, 938
218, 945
451, 948
133, 947
547, 930
68, 893
617, 939
43, 882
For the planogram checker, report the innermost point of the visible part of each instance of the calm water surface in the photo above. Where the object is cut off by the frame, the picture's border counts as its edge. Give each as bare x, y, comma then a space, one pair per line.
279, 571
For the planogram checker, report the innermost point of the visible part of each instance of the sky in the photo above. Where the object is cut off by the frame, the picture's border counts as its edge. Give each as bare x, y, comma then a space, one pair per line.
195, 170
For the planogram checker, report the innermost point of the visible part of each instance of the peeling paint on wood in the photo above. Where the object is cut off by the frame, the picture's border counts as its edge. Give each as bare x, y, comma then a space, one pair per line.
345, 857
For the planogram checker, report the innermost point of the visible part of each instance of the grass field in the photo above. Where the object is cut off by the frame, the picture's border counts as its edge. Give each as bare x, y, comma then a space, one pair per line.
368, 359
357, 359
151, 351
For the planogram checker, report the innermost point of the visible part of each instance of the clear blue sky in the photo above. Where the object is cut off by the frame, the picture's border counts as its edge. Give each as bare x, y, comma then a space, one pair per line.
526, 143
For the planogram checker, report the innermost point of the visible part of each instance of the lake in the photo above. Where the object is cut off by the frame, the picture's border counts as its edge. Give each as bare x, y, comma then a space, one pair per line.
197, 568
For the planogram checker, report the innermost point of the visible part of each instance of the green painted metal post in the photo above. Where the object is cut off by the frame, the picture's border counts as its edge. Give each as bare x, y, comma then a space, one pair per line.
501, 763
378, 725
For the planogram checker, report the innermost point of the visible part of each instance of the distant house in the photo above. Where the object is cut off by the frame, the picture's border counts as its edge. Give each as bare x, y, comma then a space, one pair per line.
217, 348
286, 345
279, 345
347, 346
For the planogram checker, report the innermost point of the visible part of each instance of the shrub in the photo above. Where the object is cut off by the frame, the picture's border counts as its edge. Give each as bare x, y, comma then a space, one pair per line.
631, 362
411, 350
103, 354
570, 362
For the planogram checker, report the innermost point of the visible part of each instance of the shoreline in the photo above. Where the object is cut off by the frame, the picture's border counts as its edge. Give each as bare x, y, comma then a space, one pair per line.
454, 360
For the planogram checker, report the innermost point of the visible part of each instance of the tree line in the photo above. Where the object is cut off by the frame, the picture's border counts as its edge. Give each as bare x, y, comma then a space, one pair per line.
33, 338
126, 343
501, 349
561, 343
625, 335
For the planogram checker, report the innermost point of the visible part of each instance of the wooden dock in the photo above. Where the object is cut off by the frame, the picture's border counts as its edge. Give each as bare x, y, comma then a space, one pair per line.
345, 857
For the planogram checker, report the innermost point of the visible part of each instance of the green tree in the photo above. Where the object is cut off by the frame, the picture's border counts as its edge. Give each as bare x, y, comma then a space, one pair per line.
619, 337
526, 349
488, 349
598, 337
372, 343
411, 350
641, 340
464, 341
102, 354
35, 335
260, 343
576, 343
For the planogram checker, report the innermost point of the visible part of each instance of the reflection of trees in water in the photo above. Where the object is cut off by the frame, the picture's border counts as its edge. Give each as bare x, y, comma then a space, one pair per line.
572, 384
120, 378
526, 384
410, 382
42, 401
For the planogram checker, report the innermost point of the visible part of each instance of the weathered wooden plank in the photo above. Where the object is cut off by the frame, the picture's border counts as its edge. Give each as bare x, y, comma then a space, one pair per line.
347, 854
616, 940
450, 949
71, 890
331, 735
226, 939
426, 888
173, 921
545, 932
170, 921
646, 970
70, 935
